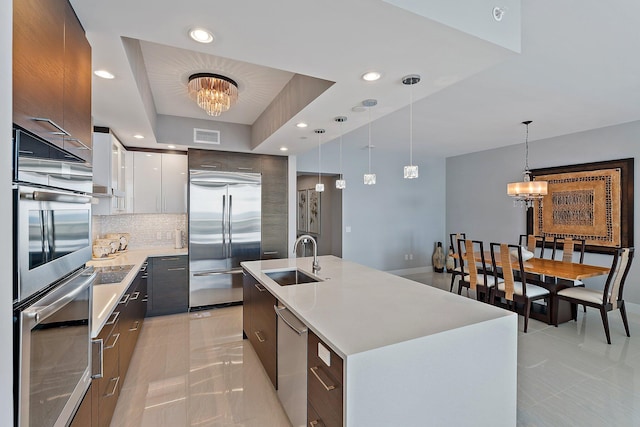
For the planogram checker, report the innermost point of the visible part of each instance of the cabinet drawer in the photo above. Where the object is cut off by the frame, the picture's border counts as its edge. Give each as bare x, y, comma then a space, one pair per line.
240, 162
207, 160
169, 263
313, 419
324, 383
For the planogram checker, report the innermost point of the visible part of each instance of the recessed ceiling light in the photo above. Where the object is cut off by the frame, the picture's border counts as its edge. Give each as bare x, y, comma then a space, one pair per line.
371, 76
284, 149
171, 146
138, 136
301, 125
104, 74
201, 35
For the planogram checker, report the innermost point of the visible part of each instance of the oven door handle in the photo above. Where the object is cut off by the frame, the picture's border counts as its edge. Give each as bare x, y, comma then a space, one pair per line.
53, 196
60, 297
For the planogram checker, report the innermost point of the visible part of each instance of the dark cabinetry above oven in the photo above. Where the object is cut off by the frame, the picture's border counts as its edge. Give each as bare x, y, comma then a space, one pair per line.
52, 74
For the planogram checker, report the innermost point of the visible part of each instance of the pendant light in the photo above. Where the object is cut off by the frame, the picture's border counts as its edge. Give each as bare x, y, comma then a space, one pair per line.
411, 171
369, 178
319, 185
527, 191
341, 184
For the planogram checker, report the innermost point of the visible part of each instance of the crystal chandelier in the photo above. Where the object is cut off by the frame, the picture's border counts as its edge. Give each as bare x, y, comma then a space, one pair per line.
319, 185
341, 184
214, 93
369, 178
527, 191
411, 171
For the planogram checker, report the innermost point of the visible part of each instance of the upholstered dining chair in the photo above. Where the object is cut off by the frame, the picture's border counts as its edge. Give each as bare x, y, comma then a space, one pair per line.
569, 247
457, 270
531, 242
512, 290
477, 278
608, 299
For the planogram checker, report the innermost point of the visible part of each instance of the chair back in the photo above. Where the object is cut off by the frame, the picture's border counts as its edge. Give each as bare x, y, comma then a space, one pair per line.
467, 250
505, 260
617, 276
531, 242
453, 238
569, 246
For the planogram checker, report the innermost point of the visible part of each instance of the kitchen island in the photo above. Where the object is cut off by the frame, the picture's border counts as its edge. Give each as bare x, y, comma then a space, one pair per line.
413, 355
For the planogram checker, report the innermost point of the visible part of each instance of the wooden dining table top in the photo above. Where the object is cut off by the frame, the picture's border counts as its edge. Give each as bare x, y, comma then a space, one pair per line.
550, 267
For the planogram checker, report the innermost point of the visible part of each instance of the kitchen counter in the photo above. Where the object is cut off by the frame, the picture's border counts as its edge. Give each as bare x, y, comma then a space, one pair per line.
106, 297
424, 348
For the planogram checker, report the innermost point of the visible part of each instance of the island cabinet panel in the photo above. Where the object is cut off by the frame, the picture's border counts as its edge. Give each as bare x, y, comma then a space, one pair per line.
260, 324
168, 285
107, 388
324, 384
132, 309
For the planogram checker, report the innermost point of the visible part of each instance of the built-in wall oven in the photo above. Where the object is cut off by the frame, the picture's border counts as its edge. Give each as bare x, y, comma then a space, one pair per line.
52, 285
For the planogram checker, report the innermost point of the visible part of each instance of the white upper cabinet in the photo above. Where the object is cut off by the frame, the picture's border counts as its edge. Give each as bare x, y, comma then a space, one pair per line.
159, 183
109, 175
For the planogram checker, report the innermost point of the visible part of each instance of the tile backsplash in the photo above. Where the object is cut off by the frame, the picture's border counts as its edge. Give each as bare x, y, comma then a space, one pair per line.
146, 230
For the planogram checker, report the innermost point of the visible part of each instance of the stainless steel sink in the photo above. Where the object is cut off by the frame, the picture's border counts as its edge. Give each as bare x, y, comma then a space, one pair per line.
110, 275
291, 277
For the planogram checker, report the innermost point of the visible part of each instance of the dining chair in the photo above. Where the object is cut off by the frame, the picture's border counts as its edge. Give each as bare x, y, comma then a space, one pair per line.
457, 269
531, 242
569, 247
512, 290
608, 299
478, 277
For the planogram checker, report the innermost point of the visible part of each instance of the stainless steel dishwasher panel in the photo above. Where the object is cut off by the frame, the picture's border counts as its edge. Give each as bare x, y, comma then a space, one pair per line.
292, 366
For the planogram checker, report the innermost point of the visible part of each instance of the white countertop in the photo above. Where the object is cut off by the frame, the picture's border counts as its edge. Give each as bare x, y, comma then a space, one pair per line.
106, 297
357, 308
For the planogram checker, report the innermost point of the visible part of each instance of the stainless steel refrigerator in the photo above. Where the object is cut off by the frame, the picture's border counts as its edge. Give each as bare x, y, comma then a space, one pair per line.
224, 230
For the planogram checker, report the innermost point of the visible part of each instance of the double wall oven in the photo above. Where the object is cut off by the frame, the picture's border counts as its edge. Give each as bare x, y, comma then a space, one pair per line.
52, 286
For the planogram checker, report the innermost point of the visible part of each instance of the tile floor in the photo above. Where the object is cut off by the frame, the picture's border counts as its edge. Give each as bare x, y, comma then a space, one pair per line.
195, 370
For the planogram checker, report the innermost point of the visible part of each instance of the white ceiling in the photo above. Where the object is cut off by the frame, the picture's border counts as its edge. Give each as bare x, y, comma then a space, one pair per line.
578, 68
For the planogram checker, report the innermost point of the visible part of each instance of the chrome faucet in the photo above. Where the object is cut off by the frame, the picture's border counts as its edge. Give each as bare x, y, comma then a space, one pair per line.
304, 238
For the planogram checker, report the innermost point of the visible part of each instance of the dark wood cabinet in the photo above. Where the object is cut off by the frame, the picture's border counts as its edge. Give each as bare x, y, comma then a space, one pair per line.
77, 87
83, 416
274, 207
168, 285
132, 309
324, 384
105, 390
260, 323
52, 74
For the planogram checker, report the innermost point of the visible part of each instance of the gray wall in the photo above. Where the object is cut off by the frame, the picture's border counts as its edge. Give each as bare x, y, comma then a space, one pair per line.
477, 202
6, 292
392, 218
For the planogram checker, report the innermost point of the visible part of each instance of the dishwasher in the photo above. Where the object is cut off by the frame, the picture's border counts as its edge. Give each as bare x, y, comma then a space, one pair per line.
292, 366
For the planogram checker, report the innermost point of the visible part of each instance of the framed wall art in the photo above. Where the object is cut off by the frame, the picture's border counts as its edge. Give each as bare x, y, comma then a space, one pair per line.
591, 201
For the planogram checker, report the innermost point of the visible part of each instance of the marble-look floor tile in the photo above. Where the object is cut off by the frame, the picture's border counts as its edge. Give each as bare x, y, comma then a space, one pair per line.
196, 370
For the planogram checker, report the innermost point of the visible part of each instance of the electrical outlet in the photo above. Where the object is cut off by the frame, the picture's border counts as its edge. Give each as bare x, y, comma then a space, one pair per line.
406, 257
159, 235
410, 257
348, 229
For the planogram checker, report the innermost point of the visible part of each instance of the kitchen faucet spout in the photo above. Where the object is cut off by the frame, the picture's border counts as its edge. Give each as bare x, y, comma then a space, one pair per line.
304, 238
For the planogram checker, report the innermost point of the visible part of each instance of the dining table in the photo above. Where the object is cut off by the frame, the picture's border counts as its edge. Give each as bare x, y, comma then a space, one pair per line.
549, 271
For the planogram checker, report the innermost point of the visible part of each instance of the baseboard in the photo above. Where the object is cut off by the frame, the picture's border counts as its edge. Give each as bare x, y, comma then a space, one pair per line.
410, 271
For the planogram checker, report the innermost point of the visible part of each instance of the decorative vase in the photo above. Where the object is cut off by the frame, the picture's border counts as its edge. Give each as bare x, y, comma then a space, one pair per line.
438, 259
450, 264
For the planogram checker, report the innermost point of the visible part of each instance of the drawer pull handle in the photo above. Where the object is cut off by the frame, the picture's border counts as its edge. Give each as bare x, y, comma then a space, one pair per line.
260, 339
115, 315
176, 269
134, 296
125, 299
260, 288
136, 325
116, 380
314, 423
115, 341
240, 168
61, 131
314, 371
98, 356
170, 259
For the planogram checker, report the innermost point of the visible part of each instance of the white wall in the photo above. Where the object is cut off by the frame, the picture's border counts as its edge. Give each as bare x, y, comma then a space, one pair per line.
392, 218
6, 268
476, 186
